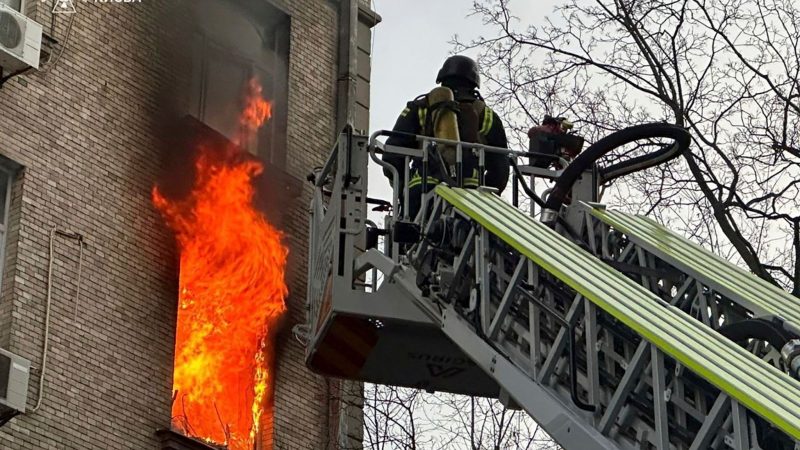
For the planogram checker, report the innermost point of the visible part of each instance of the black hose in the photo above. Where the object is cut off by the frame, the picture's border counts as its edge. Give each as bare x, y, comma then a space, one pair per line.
519, 178
763, 330
772, 332
615, 140
665, 154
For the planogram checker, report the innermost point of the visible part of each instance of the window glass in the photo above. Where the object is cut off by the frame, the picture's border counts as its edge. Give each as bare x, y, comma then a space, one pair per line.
227, 52
14, 4
8, 170
225, 80
5, 180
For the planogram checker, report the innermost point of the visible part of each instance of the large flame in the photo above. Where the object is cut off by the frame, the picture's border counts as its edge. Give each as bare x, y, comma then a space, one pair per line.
232, 292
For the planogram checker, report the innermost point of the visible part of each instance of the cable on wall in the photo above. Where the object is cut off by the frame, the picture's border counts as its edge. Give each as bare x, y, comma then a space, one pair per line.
48, 302
53, 65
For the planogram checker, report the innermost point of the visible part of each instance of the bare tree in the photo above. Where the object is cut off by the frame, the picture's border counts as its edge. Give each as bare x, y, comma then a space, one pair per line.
391, 418
400, 418
728, 70
481, 423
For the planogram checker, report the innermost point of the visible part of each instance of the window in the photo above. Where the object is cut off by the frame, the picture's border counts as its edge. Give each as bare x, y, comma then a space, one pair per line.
13, 4
8, 171
232, 44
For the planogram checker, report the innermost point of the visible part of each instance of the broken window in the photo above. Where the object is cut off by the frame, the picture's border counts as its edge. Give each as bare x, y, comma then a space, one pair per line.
233, 61
232, 44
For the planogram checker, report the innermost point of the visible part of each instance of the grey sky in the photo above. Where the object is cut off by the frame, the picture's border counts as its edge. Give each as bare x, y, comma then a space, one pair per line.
413, 40
408, 48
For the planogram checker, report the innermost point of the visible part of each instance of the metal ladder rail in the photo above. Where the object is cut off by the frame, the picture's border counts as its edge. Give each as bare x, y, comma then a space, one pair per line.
729, 281
719, 293
503, 361
696, 412
661, 278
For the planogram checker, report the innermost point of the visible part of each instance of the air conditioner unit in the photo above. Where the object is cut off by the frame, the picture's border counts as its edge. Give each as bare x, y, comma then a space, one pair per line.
20, 41
14, 374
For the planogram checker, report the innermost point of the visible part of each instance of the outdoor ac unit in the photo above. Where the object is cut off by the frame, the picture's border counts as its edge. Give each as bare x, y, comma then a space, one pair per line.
20, 41
14, 374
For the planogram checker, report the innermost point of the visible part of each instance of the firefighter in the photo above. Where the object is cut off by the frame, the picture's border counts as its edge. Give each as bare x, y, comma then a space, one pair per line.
454, 111
553, 138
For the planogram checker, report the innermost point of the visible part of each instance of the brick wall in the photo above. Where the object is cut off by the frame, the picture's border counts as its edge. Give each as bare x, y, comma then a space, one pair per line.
302, 399
84, 132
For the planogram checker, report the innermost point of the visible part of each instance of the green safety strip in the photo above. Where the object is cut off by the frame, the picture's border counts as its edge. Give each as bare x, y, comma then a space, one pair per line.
488, 118
423, 114
469, 182
752, 382
710, 269
417, 180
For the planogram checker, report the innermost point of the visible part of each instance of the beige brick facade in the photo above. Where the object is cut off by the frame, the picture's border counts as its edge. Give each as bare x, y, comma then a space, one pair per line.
84, 133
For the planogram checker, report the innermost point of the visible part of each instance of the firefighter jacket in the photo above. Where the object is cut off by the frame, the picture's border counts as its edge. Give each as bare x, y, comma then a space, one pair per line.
477, 123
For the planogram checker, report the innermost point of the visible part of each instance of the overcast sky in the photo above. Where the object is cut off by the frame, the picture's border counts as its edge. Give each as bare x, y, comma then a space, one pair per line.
409, 46
412, 42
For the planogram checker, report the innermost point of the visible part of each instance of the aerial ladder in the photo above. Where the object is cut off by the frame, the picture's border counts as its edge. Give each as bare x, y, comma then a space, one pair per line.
608, 329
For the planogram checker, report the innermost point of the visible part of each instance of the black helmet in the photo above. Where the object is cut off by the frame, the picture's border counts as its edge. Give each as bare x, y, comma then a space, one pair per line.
460, 67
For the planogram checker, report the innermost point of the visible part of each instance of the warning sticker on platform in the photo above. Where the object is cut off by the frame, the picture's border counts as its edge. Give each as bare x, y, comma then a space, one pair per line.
442, 366
438, 371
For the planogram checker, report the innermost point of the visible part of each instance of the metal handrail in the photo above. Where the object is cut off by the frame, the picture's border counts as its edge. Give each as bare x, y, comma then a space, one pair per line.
376, 146
395, 177
327, 168
373, 141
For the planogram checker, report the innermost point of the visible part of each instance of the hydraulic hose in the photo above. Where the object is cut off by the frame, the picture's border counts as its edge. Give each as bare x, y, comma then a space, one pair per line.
588, 158
760, 329
773, 332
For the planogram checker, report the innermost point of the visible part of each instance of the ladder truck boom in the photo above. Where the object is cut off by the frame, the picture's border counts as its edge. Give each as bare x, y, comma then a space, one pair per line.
608, 329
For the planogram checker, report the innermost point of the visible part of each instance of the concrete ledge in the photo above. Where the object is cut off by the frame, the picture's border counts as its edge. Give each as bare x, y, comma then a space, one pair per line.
172, 440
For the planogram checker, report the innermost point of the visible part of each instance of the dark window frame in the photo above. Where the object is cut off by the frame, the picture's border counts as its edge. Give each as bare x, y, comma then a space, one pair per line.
274, 27
10, 172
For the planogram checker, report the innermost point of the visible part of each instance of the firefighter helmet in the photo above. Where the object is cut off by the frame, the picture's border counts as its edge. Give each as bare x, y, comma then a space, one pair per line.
460, 67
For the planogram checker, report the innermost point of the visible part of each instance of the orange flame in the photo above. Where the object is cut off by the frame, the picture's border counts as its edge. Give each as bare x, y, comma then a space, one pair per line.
232, 291
257, 110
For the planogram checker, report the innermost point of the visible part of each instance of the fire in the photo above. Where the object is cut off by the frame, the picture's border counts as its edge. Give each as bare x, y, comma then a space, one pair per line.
231, 294
257, 110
